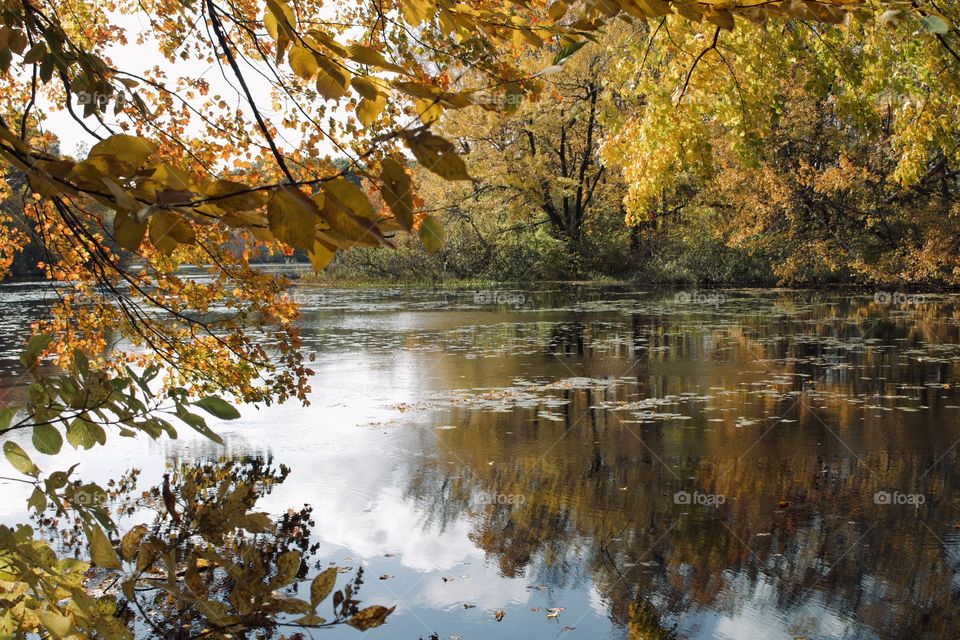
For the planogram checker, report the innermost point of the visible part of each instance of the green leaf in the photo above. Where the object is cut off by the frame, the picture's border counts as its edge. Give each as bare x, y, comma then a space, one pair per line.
218, 407
198, 424
58, 625
6, 417
568, 50
322, 585
37, 344
935, 24
431, 234
37, 500
19, 459
85, 434
47, 439
101, 551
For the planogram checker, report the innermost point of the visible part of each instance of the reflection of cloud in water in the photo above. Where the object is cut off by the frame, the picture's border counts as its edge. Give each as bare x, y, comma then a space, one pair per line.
481, 586
756, 613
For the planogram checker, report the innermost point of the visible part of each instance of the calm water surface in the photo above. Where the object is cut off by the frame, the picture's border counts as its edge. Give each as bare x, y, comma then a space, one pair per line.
752, 465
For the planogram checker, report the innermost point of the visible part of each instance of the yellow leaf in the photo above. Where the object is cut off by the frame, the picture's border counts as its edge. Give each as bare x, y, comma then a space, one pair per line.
35, 54
350, 197
130, 151
326, 40
416, 11
322, 585
350, 228
283, 14
722, 18
131, 542
122, 199
428, 110
437, 154
167, 229
320, 256
101, 551
333, 79
57, 624
689, 10
372, 57
396, 191
128, 230
368, 110
288, 564
370, 617
366, 87
234, 196
293, 217
303, 62
557, 10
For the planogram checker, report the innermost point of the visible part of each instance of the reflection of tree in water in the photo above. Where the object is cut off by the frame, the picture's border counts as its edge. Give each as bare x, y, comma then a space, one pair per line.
799, 515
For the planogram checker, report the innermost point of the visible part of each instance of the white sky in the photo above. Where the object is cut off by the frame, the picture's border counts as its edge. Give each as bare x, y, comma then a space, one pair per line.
139, 58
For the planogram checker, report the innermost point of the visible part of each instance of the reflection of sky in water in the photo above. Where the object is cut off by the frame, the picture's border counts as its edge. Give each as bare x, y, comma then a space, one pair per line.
393, 367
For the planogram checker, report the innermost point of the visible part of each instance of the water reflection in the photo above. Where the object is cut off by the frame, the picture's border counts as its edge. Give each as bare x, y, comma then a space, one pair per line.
638, 460
785, 474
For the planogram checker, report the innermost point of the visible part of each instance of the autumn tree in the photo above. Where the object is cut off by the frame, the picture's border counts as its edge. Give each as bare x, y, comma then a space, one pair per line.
833, 149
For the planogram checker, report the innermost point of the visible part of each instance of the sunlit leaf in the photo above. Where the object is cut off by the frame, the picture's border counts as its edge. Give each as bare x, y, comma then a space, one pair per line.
101, 551
17, 457
47, 439
303, 62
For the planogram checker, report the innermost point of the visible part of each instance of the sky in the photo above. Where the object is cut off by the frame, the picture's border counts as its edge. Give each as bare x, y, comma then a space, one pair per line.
138, 59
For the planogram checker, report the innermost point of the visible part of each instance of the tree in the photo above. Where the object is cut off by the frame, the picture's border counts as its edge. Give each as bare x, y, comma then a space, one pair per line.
808, 141
540, 158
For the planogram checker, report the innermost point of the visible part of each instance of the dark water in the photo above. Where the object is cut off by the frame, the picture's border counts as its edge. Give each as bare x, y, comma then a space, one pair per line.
739, 464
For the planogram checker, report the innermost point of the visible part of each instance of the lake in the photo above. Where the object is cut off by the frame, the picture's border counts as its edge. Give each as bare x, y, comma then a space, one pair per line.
736, 464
